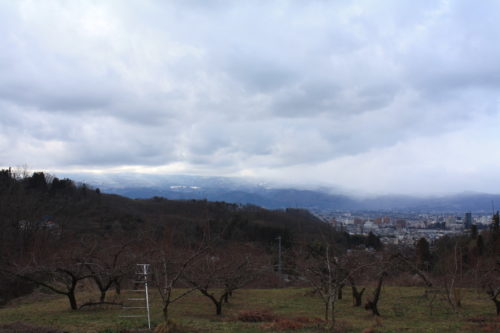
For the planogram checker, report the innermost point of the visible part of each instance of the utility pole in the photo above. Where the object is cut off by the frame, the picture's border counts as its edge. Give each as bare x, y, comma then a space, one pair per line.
279, 256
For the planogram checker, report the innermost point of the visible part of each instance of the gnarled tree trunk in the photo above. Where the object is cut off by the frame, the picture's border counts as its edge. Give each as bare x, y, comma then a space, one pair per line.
373, 303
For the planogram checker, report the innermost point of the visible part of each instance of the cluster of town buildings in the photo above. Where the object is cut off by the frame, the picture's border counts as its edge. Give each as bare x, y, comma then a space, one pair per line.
404, 228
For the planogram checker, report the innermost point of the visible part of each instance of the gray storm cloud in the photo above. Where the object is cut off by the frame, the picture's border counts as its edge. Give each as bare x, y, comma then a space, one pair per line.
385, 96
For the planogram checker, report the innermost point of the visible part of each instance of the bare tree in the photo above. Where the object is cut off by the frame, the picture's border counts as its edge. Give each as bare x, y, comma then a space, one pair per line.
58, 270
169, 268
494, 294
372, 303
108, 265
326, 276
357, 295
221, 271
357, 258
402, 262
452, 277
328, 272
491, 281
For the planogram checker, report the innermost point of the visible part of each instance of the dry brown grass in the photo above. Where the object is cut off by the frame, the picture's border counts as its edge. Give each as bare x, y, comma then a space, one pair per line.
485, 323
285, 324
26, 328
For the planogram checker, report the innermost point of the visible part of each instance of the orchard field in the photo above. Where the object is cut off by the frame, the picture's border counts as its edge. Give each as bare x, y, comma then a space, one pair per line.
403, 309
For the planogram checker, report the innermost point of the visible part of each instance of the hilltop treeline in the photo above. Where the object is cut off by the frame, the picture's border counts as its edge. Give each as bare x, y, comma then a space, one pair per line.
29, 202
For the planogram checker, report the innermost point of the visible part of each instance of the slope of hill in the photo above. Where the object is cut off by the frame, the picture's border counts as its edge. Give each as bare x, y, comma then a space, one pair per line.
32, 202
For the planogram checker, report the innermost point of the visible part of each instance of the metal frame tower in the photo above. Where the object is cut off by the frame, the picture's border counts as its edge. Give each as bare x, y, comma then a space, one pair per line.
142, 272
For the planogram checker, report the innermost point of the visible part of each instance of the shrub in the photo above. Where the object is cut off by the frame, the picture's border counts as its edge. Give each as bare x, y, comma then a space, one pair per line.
283, 325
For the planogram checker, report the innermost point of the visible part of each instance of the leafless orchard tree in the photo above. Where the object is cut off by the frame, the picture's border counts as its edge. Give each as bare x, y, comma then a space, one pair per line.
222, 270
356, 258
328, 272
109, 263
59, 270
452, 279
444, 285
491, 281
494, 294
169, 266
357, 295
372, 303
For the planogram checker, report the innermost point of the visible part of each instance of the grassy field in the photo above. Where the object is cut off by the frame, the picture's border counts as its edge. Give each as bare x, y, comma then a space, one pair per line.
403, 309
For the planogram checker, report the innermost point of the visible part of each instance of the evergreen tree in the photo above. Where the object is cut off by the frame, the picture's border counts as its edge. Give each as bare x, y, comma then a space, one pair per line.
480, 245
473, 231
423, 253
373, 241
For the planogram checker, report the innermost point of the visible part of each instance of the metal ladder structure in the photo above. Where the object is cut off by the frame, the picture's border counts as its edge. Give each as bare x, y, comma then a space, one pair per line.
141, 280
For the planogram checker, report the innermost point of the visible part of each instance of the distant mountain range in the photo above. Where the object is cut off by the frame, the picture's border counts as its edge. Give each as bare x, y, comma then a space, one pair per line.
236, 190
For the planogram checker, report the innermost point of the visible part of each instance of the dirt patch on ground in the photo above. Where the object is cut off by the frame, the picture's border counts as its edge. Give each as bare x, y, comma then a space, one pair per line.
485, 323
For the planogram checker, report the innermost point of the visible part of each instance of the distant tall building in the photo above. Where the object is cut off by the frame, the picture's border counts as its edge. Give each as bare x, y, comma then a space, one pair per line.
468, 220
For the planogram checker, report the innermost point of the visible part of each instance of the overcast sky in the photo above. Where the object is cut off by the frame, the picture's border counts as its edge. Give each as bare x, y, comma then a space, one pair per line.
370, 96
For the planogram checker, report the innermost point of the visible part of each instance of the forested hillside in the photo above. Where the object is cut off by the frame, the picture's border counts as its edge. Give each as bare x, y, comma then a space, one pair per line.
42, 214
